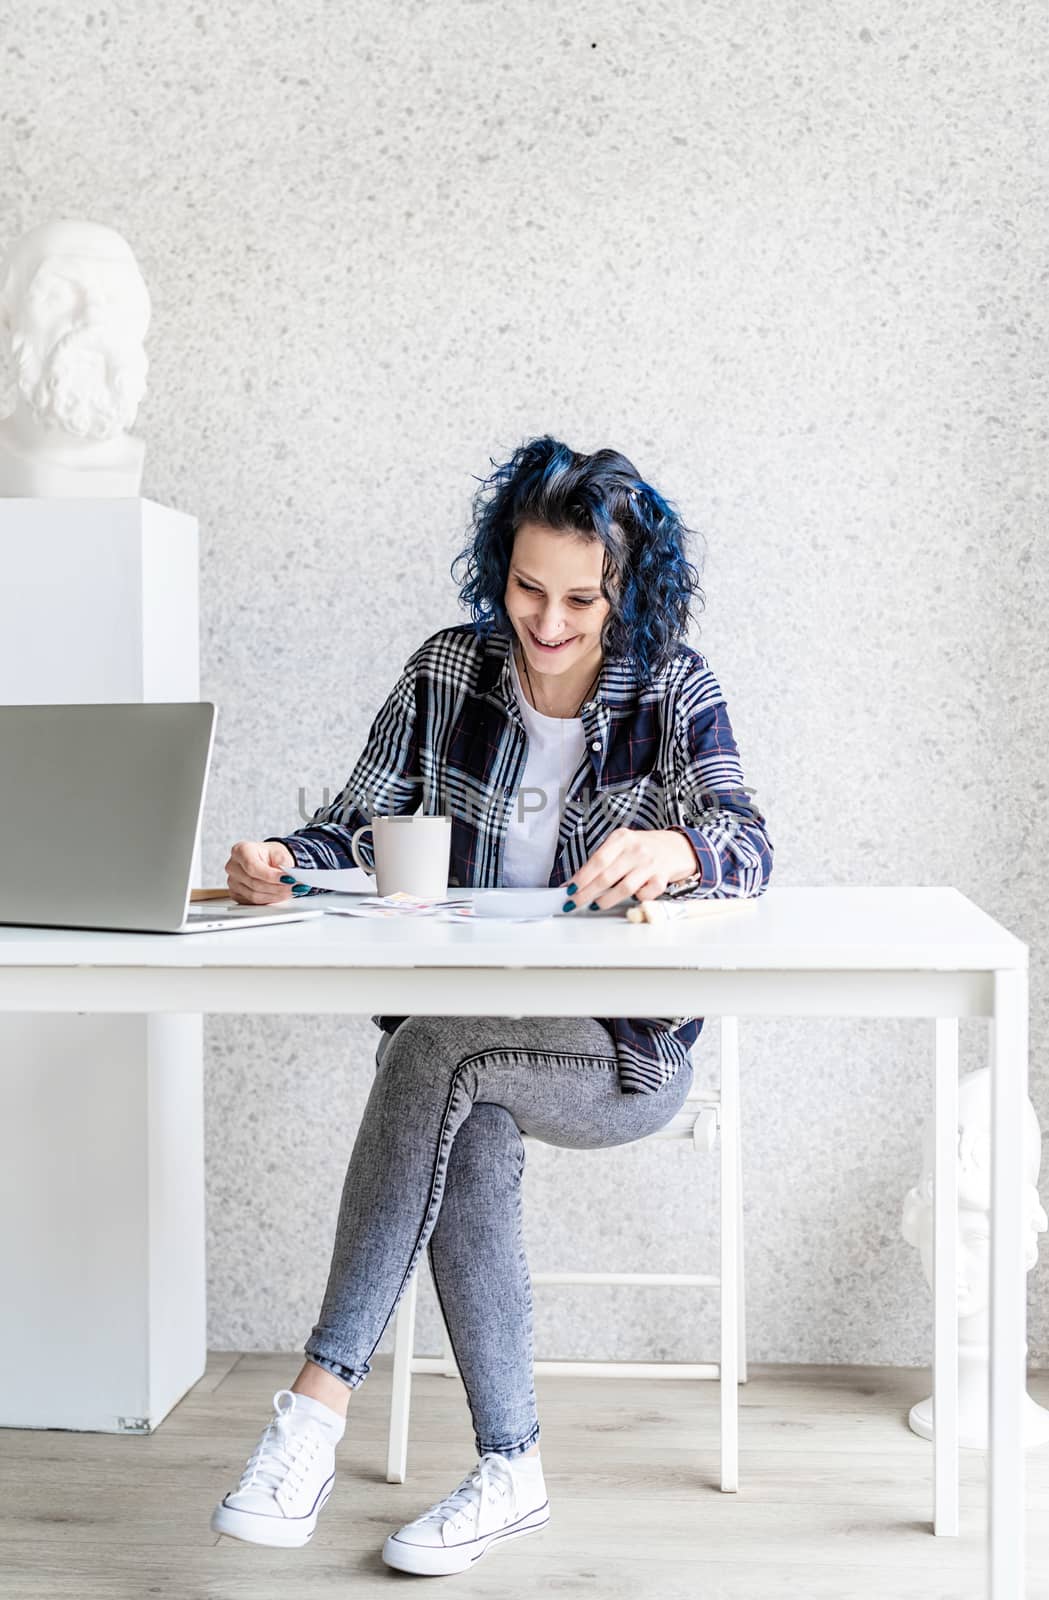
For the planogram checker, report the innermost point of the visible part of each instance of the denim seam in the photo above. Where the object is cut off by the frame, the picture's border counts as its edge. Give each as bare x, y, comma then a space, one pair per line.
566, 1058
523, 1260
453, 1088
533, 1433
345, 1374
518, 1448
447, 1324
454, 1085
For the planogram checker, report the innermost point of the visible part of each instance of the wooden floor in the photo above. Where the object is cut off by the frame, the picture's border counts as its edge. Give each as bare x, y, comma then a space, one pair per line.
835, 1497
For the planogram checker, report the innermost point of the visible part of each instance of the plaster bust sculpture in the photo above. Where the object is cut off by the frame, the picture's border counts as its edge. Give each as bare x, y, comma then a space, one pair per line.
973, 1247
74, 310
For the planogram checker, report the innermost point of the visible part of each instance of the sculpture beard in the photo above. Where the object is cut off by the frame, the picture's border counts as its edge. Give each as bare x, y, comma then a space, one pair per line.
88, 383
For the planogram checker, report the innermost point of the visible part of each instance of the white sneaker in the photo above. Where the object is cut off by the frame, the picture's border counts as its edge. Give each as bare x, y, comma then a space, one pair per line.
496, 1501
287, 1481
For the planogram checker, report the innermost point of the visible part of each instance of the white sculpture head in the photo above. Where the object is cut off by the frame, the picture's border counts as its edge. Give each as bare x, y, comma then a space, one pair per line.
974, 1193
74, 310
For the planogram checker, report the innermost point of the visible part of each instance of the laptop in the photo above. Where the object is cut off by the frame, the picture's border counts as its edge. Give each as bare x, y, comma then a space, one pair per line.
100, 812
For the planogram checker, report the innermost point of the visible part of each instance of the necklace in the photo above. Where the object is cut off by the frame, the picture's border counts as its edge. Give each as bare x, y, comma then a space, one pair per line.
562, 720
531, 691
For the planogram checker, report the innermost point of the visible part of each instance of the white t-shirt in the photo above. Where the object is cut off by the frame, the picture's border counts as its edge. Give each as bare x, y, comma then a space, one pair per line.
555, 749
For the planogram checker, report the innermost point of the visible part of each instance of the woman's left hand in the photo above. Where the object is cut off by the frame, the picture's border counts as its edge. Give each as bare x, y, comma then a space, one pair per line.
632, 861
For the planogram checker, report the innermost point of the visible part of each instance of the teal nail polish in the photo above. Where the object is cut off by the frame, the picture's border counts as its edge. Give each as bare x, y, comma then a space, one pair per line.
593, 906
286, 879
571, 889
301, 888
569, 905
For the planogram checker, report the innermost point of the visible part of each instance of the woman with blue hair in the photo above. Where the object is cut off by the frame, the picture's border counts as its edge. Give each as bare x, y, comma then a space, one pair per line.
574, 738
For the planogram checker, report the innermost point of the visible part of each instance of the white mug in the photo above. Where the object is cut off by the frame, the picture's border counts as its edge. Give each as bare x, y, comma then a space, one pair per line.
412, 855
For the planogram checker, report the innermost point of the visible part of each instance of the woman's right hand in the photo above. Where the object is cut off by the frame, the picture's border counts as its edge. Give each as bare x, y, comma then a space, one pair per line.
254, 871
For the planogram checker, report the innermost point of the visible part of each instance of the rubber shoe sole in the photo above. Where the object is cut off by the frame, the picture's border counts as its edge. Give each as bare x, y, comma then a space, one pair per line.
434, 1561
260, 1527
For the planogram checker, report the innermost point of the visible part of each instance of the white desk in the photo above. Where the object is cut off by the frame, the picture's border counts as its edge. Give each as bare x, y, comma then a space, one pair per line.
891, 952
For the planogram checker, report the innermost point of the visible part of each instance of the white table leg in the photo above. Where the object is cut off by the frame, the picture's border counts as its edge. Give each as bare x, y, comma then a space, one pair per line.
945, 1282
1008, 1378
729, 1292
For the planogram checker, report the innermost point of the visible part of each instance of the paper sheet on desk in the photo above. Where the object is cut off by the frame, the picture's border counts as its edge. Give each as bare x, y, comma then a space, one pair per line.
512, 905
390, 905
524, 905
342, 880
464, 905
352, 893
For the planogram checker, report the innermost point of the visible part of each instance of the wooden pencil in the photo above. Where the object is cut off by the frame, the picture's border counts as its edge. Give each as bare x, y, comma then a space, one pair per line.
675, 910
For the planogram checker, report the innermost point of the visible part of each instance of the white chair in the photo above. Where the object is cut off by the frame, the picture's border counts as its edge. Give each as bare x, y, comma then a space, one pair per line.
704, 1114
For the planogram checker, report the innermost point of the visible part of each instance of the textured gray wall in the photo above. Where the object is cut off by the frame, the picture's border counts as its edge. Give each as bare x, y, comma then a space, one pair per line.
791, 259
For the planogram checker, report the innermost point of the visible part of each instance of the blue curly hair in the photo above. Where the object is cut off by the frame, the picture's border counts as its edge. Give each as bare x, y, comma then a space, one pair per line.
646, 577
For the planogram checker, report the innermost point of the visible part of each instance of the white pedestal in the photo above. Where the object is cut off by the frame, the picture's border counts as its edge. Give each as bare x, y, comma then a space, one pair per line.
102, 1262
974, 1369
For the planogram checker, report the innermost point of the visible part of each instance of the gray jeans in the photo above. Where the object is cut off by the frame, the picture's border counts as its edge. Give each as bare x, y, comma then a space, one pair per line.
438, 1162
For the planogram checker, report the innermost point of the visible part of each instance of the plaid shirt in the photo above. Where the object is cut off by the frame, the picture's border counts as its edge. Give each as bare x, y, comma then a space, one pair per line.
450, 740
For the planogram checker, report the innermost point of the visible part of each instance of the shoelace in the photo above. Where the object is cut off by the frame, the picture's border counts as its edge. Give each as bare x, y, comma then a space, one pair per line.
490, 1481
282, 1456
